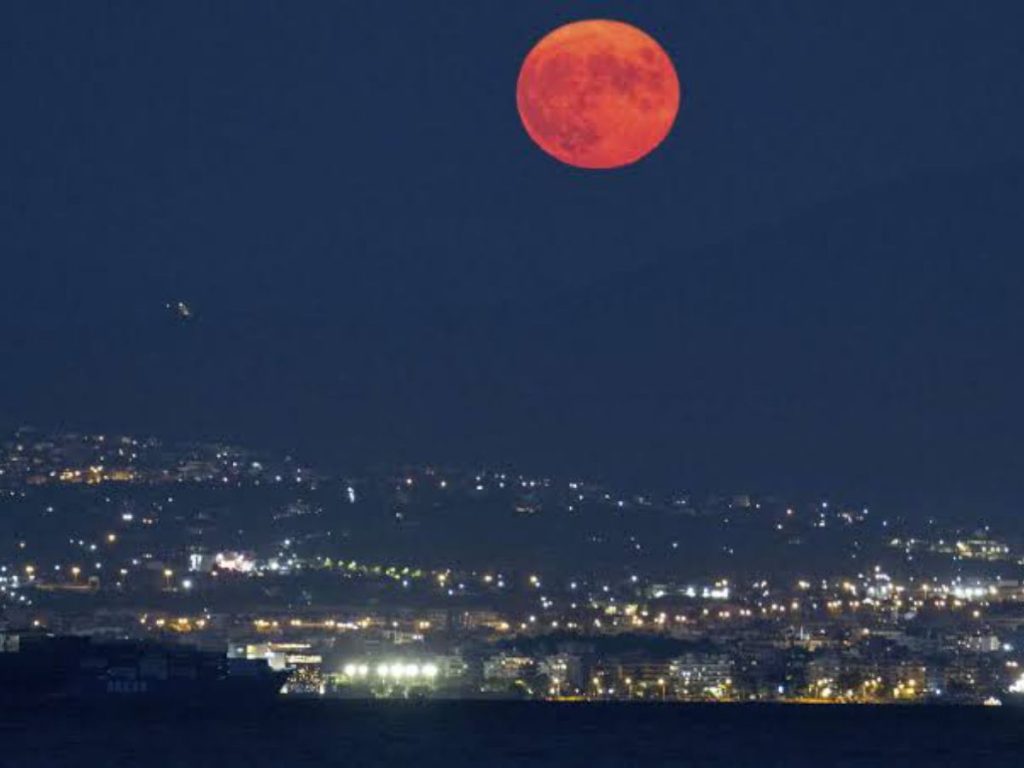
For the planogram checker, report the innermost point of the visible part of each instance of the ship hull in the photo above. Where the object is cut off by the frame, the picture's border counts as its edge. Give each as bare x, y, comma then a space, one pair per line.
44, 669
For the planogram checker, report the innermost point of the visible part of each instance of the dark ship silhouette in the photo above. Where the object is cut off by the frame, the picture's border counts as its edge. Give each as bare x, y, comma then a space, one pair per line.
37, 667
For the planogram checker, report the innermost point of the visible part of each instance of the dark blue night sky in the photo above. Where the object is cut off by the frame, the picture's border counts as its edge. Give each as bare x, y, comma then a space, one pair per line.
814, 284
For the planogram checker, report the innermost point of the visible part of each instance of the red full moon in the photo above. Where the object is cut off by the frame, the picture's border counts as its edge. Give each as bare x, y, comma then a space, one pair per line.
598, 94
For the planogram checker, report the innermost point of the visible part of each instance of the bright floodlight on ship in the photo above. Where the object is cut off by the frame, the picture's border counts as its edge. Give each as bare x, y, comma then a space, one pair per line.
397, 670
1018, 686
350, 670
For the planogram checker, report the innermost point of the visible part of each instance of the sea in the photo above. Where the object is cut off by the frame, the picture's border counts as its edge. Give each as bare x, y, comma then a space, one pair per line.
325, 734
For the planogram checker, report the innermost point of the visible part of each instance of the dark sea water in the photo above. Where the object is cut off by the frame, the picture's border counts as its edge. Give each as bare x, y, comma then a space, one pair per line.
337, 733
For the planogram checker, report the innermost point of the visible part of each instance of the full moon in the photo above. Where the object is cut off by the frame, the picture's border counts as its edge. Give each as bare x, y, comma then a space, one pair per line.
598, 94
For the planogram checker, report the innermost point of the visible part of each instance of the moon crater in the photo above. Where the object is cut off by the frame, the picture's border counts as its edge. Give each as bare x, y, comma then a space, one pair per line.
598, 94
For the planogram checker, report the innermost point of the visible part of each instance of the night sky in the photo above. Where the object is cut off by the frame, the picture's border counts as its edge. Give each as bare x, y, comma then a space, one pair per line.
815, 284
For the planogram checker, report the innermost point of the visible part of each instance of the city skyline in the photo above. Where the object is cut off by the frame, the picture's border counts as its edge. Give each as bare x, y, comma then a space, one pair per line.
485, 584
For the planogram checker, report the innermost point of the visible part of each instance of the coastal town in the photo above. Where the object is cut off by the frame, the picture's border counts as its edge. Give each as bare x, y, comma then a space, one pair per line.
425, 582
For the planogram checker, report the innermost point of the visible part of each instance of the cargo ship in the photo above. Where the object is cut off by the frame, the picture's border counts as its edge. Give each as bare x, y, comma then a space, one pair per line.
38, 668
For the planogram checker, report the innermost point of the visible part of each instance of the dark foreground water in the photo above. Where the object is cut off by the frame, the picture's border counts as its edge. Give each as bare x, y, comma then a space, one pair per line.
298, 734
